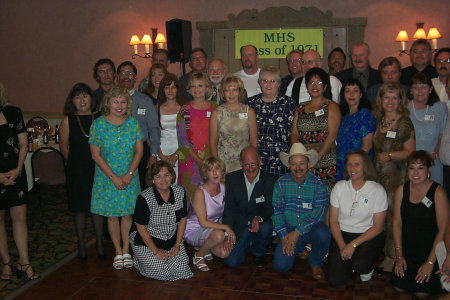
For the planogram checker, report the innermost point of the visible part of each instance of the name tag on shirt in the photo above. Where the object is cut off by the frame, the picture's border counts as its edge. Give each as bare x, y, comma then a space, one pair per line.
141, 111
208, 114
319, 112
363, 200
429, 118
260, 199
391, 134
307, 205
243, 116
427, 202
258, 90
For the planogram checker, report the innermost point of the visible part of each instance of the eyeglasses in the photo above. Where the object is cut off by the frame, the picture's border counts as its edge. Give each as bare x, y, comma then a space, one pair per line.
444, 61
355, 203
308, 62
420, 86
267, 81
248, 165
315, 83
299, 60
127, 73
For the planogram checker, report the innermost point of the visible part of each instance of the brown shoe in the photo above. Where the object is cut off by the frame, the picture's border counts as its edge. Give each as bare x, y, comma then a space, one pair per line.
303, 255
317, 273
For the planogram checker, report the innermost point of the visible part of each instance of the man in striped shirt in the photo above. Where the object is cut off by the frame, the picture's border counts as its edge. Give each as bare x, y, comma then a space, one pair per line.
300, 202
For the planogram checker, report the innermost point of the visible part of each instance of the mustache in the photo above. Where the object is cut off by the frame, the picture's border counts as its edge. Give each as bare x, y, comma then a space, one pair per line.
442, 68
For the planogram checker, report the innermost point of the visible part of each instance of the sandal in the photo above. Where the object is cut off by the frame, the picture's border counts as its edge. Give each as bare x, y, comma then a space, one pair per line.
127, 261
208, 255
118, 262
6, 276
197, 262
21, 272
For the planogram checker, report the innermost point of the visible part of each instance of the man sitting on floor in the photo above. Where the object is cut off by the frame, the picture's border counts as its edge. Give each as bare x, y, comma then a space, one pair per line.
300, 203
248, 208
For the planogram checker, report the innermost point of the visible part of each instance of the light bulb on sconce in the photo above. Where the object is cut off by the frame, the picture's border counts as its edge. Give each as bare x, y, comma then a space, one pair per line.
158, 38
433, 35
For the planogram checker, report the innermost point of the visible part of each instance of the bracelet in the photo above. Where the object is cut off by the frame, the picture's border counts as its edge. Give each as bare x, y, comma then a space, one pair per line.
130, 173
430, 262
398, 248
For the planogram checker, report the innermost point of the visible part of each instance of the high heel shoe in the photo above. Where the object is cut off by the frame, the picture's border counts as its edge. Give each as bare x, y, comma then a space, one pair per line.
23, 272
6, 276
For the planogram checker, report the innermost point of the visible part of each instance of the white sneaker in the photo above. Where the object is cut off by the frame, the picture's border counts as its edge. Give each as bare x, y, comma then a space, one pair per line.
366, 277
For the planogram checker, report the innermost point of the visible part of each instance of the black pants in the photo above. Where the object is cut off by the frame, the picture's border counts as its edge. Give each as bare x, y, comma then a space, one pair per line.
143, 166
362, 261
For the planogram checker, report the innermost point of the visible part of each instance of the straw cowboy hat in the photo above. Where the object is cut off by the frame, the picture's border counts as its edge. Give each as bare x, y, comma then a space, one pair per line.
299, 149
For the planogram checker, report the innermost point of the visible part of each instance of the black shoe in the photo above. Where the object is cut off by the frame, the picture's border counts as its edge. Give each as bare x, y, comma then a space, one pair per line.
102, 256
260, 261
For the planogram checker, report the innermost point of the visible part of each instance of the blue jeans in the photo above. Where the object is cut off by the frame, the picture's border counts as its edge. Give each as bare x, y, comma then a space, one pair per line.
319, 237
259, 241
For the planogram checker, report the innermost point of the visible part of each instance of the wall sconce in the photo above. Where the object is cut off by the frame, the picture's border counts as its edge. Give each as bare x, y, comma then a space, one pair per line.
433, 35
146, 40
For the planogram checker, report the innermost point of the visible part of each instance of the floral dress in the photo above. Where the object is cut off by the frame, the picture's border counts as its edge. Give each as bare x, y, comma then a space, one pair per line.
312, 132
351, 132
117, 147
233, 135
274, 121
192, 132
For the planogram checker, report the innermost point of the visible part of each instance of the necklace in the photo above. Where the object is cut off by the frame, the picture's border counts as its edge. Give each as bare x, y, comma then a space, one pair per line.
414, 111
81, 126
388, 124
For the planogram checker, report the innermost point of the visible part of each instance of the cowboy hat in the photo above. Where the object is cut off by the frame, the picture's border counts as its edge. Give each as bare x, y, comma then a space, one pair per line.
299, 149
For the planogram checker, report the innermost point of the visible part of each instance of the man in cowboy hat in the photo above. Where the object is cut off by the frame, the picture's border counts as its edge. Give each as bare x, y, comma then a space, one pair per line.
300, 203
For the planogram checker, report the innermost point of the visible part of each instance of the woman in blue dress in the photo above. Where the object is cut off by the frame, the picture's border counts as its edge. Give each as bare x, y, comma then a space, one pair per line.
116, 147
429, 116
357, 125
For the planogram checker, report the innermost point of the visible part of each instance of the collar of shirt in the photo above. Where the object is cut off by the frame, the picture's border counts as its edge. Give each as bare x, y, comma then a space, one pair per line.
251, 186
131, 92
160, 200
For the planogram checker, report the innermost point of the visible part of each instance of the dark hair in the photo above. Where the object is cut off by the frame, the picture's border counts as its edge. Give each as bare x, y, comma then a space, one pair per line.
150, 87
363, 102
166, 81
100, 62
420, 156
337, 49
368, 169
442, 50
420, 42
127, 63
422, 78
78, 88
320, 73
155, 169
256, 50
389, 61
199, 50
166, 53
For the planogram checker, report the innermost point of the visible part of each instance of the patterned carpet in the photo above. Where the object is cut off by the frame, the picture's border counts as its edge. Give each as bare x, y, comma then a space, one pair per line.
51, 234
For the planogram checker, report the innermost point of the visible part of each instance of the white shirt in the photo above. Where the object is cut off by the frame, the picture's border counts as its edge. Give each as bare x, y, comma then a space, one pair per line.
439, 87
356, 208
304, 96
250, 82
444, 151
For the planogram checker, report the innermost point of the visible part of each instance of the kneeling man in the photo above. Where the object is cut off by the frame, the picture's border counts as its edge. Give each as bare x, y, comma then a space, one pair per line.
248, 208
300, 203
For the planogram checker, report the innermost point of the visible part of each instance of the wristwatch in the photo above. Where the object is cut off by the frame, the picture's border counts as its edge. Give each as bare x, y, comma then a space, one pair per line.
131, 173
354, 245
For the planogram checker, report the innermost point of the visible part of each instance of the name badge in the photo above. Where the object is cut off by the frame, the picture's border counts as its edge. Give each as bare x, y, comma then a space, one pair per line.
141, 111
258, 90
391, 134
363, 200
319, 112
307, 205
427, 202
208, 114
429, 118
243, 116
260, 199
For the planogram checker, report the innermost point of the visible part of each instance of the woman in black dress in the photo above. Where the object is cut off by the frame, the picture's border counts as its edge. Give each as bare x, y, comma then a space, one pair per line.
74, 136
13, 187
421, 215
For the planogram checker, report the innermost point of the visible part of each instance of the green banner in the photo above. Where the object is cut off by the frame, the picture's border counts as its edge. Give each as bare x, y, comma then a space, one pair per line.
277, 43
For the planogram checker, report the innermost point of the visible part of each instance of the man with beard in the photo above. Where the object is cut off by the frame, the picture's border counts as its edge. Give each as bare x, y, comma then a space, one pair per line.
197, 63
297, 88
420, 55
216, 72
250, 71
294, 62
336, 61
442, 64
104, 73
144, 111
361, 68
300, 204
160, 56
